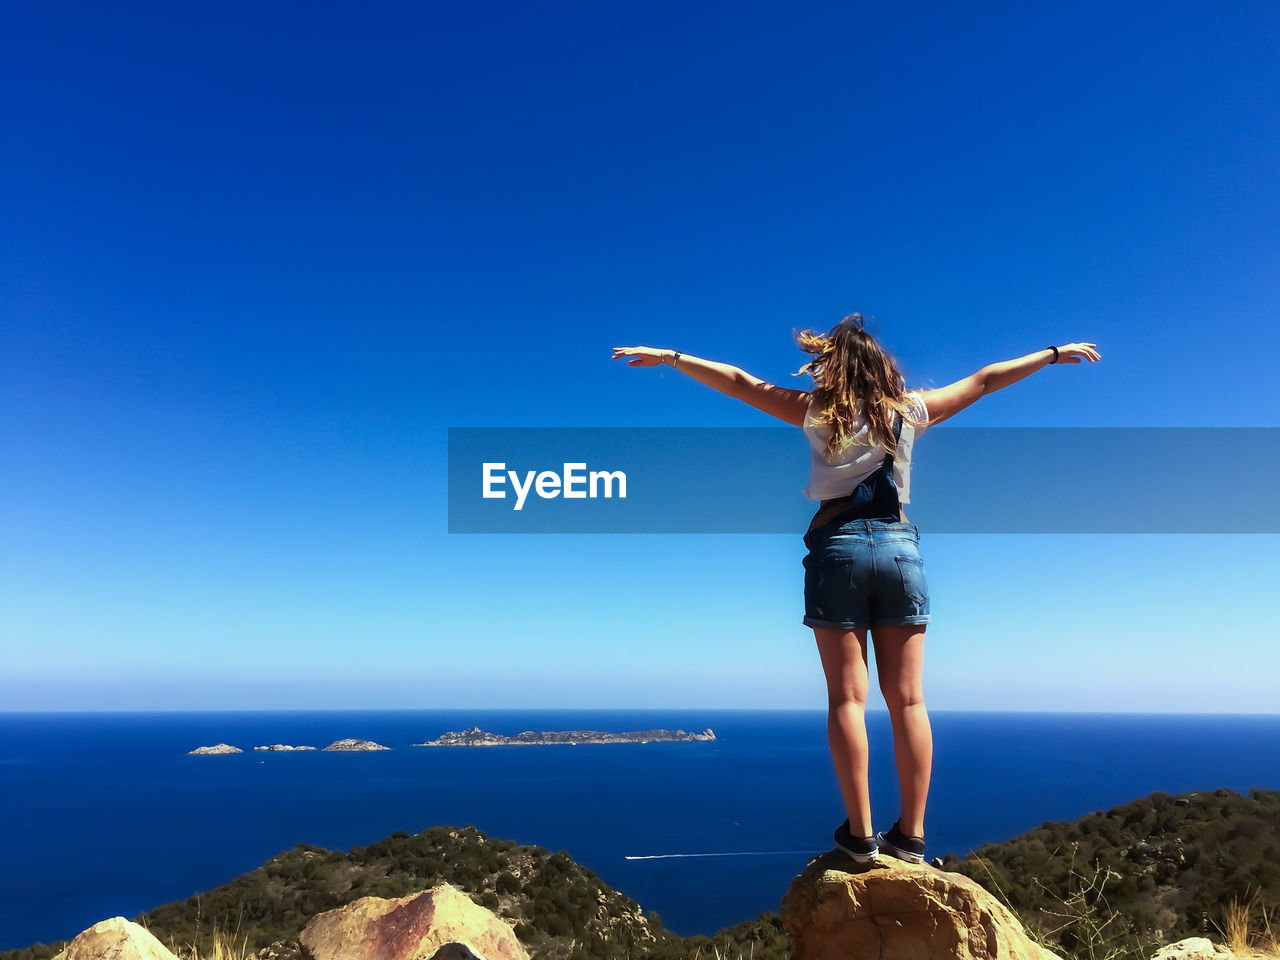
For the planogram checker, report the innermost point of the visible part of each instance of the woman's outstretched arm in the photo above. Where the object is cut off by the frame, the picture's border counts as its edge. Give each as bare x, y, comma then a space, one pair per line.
951, 399
788, 405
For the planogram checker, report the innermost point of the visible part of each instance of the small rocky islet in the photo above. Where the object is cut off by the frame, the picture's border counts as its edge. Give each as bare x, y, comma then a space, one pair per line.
348, 745
352, 745
475, 737
283, 746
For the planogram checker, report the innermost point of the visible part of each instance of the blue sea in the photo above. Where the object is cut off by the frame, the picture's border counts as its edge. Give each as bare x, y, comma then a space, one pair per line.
106, 814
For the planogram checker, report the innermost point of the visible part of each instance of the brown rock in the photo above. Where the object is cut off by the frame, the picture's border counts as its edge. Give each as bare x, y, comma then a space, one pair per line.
409, 928
891, 910
115, 939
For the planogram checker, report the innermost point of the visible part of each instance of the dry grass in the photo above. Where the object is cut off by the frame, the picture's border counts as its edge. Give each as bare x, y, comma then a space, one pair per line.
1236, 918
220, 945
716, 954
1249, 926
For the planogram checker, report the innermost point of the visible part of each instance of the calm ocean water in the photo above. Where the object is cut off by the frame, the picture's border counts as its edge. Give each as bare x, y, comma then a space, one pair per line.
105, 814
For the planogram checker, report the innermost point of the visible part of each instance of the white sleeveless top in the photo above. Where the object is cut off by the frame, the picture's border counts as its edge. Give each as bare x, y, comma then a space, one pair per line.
859, 459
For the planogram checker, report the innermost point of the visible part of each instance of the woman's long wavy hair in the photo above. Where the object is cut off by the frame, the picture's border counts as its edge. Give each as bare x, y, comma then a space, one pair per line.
851, 366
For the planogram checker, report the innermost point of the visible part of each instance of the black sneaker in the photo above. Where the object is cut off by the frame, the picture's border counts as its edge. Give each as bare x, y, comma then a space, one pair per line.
898, 844
862, 849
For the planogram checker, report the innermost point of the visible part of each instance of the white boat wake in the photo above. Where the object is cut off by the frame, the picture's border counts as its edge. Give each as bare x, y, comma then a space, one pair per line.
737, 853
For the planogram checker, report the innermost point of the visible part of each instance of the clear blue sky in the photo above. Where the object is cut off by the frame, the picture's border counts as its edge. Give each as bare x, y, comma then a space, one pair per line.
255, 260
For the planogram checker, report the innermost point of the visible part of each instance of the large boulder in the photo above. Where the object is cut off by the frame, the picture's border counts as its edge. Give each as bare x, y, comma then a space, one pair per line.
891, 910
414, 927
115, 939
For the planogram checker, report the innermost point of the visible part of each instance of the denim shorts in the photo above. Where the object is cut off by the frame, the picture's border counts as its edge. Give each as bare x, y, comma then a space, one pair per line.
864, 573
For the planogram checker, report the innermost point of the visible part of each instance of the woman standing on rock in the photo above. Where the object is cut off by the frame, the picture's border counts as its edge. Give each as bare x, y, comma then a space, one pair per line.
863, 569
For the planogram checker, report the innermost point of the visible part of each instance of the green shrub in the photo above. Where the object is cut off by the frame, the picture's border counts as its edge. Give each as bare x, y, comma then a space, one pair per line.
507, 883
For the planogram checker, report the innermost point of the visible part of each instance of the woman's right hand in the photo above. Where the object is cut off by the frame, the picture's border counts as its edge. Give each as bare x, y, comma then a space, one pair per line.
644, 356
1076, 352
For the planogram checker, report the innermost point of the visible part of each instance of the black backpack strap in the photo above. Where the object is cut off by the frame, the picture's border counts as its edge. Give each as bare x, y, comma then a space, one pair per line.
897, 438
830, 513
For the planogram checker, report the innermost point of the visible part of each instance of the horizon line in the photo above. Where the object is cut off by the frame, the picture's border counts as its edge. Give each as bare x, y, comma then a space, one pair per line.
614, 709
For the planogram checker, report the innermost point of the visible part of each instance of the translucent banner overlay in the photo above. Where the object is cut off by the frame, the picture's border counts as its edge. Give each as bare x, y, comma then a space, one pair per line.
963, 480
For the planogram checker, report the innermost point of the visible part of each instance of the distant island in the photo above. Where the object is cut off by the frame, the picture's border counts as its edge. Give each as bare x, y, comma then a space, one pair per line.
351, 745
216, 750
475, 737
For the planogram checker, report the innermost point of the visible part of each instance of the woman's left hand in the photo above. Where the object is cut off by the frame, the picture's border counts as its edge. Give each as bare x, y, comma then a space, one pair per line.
644, 356
1075, 352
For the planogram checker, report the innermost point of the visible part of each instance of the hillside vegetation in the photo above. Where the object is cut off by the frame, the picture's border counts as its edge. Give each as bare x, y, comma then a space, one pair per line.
1157, 869
561, 910
1164, 867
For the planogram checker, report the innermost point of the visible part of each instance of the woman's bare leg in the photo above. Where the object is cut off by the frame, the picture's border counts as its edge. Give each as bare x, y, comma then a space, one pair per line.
844, 660
900, 666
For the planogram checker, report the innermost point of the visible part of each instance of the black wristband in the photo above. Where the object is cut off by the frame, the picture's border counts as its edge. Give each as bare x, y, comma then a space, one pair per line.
1055, 354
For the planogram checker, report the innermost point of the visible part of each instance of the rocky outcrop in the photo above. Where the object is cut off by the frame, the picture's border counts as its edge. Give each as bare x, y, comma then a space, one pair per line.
115, 939
351, 745
282, 746
216, 750
416, 927
891, 910
1194, 948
